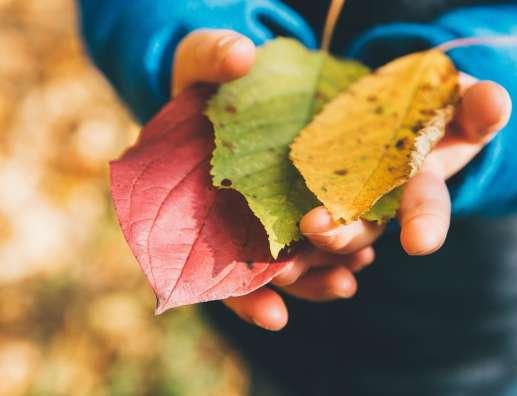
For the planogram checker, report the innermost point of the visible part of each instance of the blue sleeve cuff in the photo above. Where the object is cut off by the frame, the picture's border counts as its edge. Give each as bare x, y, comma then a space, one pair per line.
133, 42
487, 185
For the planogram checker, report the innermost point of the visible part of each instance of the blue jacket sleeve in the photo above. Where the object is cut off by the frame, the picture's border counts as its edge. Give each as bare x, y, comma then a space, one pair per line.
133, 41
488, 184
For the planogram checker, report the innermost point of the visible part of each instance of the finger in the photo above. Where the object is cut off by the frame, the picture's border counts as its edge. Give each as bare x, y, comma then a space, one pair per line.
212, 56
264, 308
323, 232
324, 284
314, 258
424, 213
363, 258
484, 110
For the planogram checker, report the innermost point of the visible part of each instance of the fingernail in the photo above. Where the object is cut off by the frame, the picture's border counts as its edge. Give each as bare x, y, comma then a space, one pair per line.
428, 234
239, 46
317, 221
501, 115
204, 50
233, 46
275, 322
345, 288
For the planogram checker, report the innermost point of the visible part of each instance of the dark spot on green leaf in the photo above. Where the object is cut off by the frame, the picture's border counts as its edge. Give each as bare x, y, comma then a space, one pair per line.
341, 172
318, 95
226, 182
229, 145
231, 109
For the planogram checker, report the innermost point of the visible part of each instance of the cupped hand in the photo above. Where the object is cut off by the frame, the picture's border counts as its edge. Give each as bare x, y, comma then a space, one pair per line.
324, 271
217, 56
425, 211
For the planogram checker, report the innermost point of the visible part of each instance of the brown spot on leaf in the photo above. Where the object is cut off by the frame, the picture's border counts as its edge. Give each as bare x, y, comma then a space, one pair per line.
417, 127
401, 144
371, 98
378, 110
231, 109
226, 182
341, 172
229, 145
318, 95
428, 112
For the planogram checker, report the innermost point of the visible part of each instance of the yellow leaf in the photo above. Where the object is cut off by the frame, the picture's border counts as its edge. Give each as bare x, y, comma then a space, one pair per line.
373, 137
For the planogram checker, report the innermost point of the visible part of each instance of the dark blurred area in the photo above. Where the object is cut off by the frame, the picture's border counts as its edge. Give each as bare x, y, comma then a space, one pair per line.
76, 314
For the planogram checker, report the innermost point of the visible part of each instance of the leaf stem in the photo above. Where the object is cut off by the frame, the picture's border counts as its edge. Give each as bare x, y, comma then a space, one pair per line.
470, 41
336, 6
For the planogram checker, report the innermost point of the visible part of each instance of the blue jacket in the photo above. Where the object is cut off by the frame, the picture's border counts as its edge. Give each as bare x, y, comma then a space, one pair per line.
133, 42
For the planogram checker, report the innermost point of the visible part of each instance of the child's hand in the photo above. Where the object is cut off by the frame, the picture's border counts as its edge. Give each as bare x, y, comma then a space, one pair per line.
326, 272
219, 56
425, 211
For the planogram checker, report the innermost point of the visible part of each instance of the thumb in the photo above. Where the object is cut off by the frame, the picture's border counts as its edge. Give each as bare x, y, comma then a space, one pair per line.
485, 108
211, 56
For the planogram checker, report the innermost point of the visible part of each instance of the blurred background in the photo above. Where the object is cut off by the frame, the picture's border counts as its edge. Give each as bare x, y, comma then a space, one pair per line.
76, 314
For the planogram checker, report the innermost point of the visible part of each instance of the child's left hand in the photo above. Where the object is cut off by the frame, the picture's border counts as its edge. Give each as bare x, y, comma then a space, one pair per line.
425, 213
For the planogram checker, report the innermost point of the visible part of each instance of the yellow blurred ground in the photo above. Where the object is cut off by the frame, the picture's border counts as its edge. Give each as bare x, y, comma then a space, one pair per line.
76, 315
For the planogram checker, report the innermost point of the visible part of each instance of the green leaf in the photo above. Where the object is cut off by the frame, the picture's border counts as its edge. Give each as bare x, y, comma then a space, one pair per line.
386, 208
255, 120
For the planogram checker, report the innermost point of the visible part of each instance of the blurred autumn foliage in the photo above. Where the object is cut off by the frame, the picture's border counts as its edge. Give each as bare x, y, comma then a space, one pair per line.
76, 314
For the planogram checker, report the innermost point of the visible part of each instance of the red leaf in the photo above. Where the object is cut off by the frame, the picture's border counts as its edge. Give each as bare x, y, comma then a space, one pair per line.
194, 243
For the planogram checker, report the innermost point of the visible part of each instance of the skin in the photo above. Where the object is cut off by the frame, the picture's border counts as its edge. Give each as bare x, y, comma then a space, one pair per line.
324, 270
